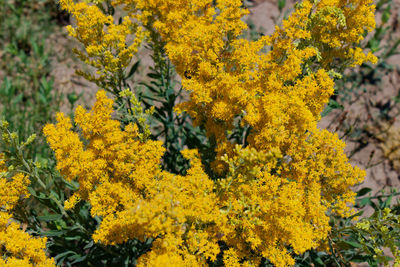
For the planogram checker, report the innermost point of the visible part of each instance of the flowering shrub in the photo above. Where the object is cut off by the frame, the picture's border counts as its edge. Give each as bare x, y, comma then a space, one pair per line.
273, 191
122, 179
270, 181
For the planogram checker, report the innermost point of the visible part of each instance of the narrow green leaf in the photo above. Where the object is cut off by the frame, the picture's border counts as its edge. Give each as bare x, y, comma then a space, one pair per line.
363, 191
133, 70
50, 217
352, 244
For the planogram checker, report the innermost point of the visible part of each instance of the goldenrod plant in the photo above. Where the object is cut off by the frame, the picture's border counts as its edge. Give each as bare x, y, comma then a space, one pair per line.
233, 173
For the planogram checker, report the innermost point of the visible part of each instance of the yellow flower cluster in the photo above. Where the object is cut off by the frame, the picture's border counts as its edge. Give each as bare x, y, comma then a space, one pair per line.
277, 191
120, 176
260, 208
274, 202
17, 248
336, 25
108, 45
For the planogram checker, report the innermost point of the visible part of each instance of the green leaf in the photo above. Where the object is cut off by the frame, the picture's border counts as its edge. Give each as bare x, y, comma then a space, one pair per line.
89, 245
387, 203
18, 98
53, 233
73, 97
363, 191
63, 255
154, 75
39, 196
133, 70
331, 106
360, 258
319, 261
386, 14
281, 4
365, 201
49, 218
77, 258
352, 244
373, 44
